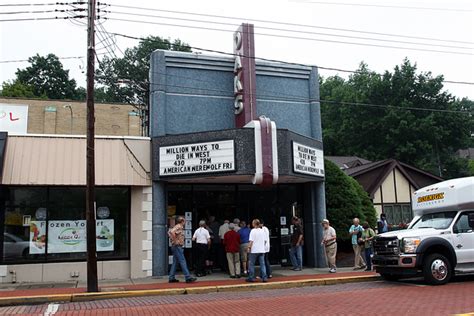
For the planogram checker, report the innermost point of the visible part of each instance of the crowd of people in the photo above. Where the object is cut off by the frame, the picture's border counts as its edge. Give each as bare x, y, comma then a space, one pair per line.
235, 247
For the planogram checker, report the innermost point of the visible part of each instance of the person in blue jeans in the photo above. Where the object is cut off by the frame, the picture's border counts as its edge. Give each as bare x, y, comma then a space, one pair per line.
256, 251
176, 235
296, 250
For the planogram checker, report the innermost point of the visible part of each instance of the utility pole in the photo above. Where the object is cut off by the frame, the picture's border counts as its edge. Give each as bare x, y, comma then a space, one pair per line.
92, 282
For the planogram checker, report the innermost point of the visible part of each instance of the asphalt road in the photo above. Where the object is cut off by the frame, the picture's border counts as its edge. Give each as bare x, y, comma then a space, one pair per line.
369, 298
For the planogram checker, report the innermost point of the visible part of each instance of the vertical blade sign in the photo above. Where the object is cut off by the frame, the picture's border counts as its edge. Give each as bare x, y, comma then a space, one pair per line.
244, 75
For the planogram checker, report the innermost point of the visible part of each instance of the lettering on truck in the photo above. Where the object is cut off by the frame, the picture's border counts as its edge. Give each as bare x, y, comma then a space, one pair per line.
431, 197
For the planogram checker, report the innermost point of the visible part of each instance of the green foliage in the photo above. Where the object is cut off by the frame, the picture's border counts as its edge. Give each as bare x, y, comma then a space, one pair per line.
45, 77
425, 139
17, 89
367, 207
125, 79
471, 167
342, 200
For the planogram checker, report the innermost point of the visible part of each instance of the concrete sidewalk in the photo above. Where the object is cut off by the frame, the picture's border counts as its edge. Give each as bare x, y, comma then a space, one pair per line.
29, 293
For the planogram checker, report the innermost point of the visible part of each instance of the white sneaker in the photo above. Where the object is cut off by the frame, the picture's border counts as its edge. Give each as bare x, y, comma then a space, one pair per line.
332, 271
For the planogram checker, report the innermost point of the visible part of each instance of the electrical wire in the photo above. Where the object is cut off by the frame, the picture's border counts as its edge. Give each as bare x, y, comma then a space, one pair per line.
297, 37
267, 59
285, 23
383, 6
291, 31
27, 60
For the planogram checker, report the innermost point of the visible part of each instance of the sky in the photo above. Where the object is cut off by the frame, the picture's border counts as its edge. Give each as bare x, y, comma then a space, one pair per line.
446, 26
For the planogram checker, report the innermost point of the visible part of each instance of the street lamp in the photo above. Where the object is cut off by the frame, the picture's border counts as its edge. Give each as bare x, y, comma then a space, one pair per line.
68, 106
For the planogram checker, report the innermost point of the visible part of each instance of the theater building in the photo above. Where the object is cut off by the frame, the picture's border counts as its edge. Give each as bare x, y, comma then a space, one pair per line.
236, 137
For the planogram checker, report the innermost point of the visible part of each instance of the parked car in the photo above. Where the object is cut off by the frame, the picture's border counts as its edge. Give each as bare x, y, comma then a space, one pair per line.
15, 247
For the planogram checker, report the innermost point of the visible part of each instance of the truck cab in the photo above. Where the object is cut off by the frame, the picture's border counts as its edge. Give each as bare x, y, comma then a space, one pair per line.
439, 241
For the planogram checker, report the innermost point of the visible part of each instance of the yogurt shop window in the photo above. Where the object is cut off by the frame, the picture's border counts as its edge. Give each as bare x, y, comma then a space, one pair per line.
47, 224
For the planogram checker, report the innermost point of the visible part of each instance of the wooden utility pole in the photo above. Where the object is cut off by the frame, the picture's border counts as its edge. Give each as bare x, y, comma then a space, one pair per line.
92, 282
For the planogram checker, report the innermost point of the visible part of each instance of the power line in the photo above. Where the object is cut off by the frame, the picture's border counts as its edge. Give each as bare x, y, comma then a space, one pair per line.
289, 30
384, 6
287, 23
281, 97
42, 19
27, 4
268, 59
27, 60
296, 37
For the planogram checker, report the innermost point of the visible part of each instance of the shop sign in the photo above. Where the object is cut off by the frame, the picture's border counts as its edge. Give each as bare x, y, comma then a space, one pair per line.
308, 160
197, 158
13, 118
70, 236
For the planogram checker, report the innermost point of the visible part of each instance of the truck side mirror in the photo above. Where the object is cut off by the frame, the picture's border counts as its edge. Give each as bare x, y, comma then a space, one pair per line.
470, 218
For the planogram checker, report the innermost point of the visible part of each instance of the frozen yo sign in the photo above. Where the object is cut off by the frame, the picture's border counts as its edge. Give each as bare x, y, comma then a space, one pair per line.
244, 75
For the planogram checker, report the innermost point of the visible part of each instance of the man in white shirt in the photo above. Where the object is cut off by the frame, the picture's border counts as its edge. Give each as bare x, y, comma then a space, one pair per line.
221, 256
268, 267
203, 241
256, 251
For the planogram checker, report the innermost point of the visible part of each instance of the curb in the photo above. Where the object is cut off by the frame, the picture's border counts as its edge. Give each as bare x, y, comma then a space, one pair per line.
82, 297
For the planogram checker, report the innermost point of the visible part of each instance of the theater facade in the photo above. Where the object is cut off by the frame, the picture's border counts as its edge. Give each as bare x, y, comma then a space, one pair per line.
236, 137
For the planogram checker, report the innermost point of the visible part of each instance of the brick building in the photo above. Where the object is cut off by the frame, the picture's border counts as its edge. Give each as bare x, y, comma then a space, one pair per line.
69, 117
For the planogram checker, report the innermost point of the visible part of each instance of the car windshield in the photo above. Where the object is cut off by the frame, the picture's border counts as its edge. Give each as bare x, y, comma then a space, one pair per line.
435, 220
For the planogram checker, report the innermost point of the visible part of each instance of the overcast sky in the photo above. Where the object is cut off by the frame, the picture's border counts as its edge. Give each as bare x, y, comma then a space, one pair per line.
451, 21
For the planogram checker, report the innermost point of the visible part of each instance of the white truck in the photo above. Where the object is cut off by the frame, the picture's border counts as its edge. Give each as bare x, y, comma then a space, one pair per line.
439, 241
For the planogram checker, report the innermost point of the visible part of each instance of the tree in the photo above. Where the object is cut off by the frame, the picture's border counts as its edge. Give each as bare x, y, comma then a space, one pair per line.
18, 89
125, 79
343, 202
45, 77
367, 207
372, 116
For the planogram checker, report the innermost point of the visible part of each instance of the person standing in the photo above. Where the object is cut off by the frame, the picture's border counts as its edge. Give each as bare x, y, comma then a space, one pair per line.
236, 224
330, 245
268, 267
221, 256
232, 249
382, 224
367, 236
356, 234
244, 233
215, 243
256, 251
296, 250
176, 235
203, 242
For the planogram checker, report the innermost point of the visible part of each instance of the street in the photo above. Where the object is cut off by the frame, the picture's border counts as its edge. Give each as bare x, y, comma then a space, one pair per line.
368, 298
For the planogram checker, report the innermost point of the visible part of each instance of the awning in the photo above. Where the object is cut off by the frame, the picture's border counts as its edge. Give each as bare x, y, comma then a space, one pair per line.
61, 160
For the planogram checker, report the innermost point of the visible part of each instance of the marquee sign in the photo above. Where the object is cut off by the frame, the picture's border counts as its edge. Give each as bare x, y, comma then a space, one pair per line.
244, 75
308, 160
197, 158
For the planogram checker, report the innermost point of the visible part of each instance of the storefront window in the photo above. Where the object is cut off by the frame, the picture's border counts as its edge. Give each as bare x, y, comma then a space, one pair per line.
48, 224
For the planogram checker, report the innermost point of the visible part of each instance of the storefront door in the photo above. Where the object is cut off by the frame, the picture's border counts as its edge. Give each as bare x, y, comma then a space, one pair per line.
274, 205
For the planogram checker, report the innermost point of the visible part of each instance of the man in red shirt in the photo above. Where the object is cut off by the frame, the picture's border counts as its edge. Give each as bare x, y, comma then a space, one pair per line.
232, 249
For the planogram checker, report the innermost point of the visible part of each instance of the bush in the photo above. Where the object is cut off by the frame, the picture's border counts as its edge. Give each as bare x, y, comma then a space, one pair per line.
342, 200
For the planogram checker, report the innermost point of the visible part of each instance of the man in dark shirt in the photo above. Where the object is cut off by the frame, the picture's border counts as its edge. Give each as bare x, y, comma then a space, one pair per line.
296, 251
244, 233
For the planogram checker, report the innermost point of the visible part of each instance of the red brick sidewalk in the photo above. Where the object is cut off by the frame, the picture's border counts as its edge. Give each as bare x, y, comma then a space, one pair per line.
160, 285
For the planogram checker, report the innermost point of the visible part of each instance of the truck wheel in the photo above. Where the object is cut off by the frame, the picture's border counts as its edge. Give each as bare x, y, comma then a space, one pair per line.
437, 269
390, 277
